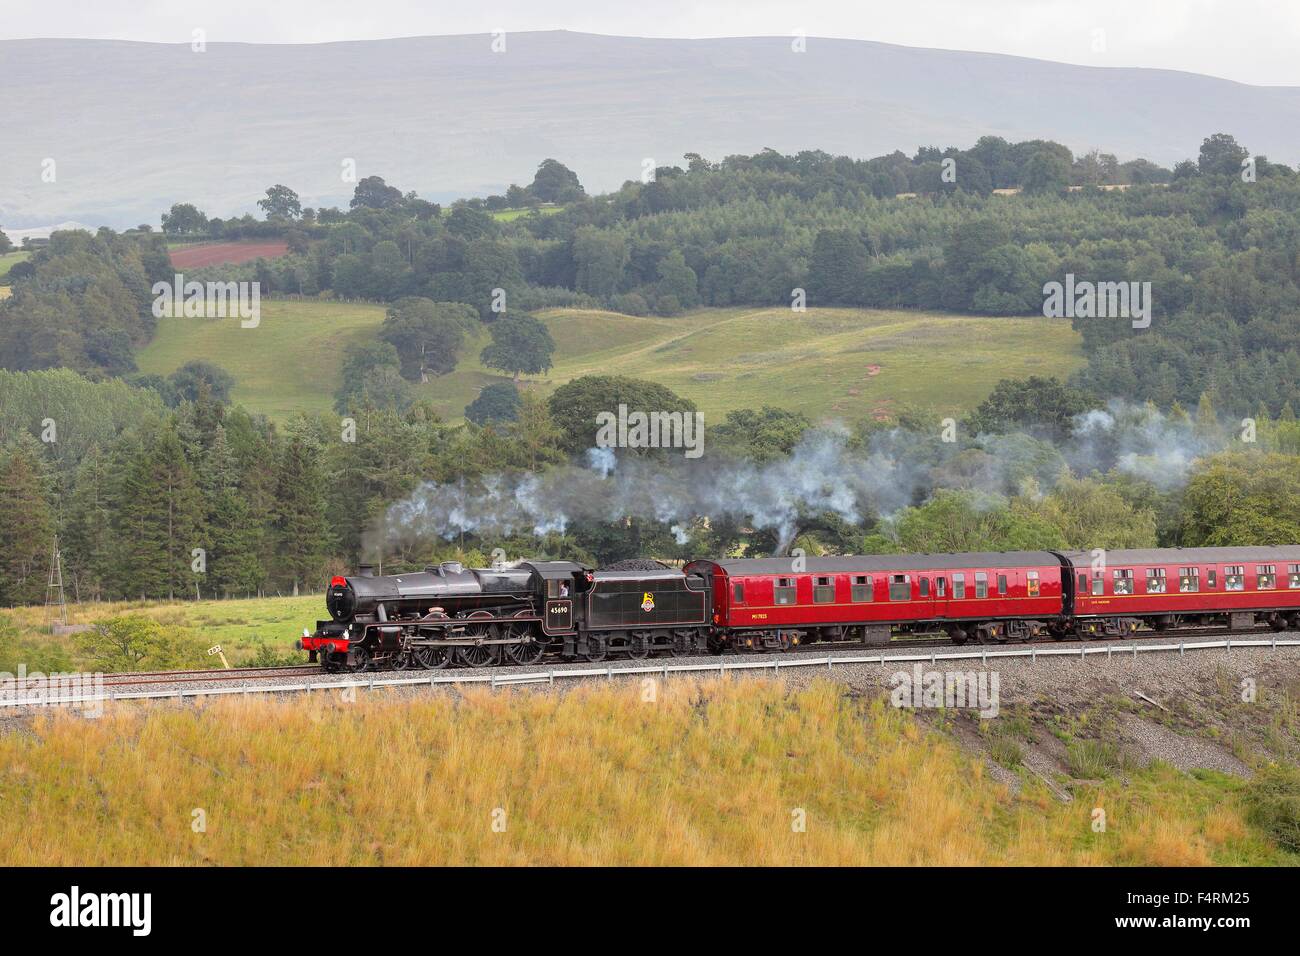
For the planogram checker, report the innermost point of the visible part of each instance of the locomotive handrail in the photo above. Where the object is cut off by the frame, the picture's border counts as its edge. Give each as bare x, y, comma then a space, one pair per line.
609, 672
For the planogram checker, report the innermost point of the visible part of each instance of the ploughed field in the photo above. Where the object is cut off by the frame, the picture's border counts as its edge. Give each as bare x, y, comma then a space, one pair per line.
226, 253
826, 363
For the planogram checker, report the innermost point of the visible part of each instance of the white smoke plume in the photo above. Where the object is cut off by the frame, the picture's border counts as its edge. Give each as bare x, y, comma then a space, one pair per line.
825, 473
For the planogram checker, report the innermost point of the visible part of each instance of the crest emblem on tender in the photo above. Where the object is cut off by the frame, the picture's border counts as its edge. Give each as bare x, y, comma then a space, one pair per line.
648, 602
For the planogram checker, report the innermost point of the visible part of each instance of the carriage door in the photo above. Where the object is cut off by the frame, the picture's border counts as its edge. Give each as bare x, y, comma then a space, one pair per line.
559, 607
941, 596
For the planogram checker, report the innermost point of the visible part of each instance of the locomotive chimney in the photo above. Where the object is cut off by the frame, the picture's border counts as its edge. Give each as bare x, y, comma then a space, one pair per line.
365, 570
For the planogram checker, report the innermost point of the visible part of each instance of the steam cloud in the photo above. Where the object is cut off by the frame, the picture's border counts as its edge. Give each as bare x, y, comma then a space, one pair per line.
824, 474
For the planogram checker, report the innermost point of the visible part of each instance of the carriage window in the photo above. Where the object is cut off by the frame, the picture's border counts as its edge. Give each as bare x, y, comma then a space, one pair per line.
1211, 578
823, 590
959, 585
1155, 580
900, 588
1123, 581
981, 584
1002, 584
940, 587
1098, 583
862, 587
1189, 580
1234, 577
1031, 583
1083, 582
739, 593
783, 593
1293, 575
925, 587
1266, 576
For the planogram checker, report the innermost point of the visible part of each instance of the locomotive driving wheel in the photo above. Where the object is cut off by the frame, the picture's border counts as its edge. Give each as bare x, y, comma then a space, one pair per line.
530, 648
431, 658
478, 655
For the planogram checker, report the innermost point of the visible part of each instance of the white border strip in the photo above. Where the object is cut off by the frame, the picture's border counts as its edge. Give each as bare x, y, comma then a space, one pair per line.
610, 672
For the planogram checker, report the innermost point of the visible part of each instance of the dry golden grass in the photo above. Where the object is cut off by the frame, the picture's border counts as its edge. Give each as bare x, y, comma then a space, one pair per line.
710, 773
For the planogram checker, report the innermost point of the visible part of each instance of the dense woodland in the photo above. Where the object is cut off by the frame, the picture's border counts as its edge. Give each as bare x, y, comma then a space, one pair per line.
143, 470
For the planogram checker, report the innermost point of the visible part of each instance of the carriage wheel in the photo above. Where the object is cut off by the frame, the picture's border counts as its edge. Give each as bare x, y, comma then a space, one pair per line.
597, 648
638, 647
681, 646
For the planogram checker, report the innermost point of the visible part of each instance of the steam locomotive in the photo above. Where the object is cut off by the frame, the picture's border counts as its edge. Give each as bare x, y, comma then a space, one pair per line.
479, 617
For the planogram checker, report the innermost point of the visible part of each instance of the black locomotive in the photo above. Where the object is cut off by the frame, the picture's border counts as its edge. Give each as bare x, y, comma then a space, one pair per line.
478, 617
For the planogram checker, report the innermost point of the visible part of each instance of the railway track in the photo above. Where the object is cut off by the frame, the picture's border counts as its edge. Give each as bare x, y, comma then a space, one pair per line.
229, 675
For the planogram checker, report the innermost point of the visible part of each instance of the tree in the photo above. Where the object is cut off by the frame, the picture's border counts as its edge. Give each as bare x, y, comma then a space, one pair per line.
838, 265
158, 521
1090, 514
1047, 172
677, 282
520, 344
1221, 155
371, 377
1243, 498
26, 523
301, 531
427, 335
601, 256
198, 378
184, 219
575, 405
1033, 404
555, 182
6, 245
281, 202
497, 402
373, 193
133, 642
759, 436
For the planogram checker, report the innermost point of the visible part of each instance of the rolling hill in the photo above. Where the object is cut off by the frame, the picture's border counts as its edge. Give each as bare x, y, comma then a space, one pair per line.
154, 124
826, 363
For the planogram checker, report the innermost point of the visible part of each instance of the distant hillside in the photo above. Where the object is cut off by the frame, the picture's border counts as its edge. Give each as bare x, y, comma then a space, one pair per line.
134, 127
827, 363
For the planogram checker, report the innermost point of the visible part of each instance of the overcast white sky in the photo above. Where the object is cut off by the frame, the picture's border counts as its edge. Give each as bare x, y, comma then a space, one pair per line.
1253, 41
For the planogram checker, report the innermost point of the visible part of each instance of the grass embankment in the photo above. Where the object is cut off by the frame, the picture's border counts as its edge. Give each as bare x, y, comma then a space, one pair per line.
826, 363
716, 773
245, 629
